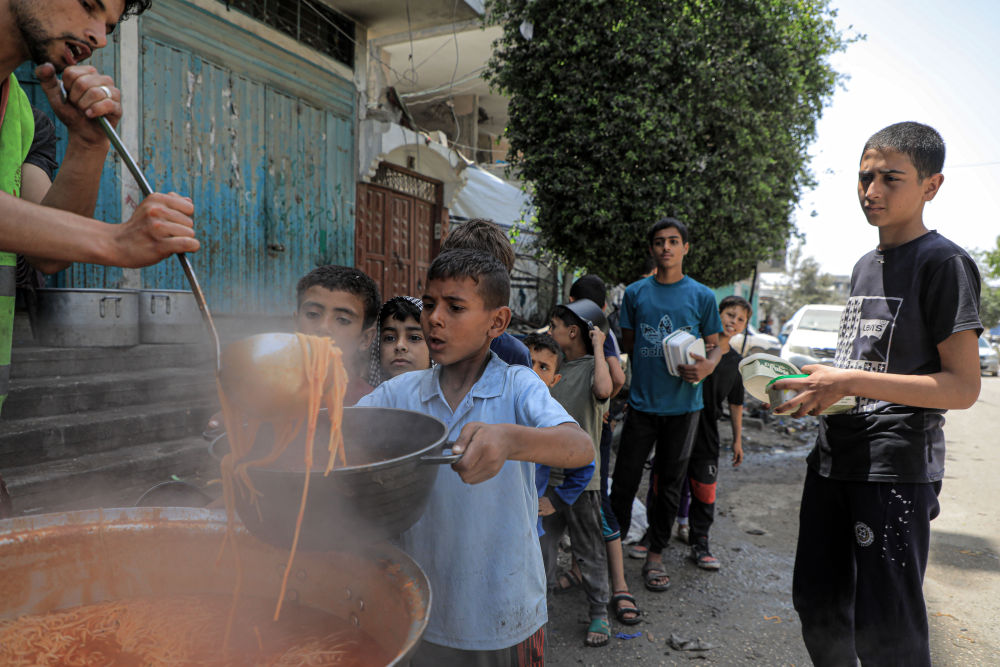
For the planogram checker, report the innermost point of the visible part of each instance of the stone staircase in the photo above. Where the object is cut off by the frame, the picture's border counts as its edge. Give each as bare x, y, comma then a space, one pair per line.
95, 427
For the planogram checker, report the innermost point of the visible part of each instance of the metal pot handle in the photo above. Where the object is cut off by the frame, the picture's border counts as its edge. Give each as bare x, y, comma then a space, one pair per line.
442, 457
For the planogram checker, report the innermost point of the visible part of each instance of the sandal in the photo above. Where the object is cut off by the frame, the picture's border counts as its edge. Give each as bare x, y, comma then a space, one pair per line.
573, 581
651, 571
620, 612
637, 551
598, 626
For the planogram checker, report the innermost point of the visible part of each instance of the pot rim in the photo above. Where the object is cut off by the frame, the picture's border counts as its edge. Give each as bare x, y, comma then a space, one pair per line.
362, 468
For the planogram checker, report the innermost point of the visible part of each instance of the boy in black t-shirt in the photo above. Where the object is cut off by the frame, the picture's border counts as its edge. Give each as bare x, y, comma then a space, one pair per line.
703, 468
908, 349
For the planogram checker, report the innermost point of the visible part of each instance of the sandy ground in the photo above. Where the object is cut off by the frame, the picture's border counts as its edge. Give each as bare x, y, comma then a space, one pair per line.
745, 612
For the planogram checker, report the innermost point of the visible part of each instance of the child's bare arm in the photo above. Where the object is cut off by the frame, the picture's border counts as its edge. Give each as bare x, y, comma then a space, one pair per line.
954, 387
617, 375
486, 447
602, 386
736, 417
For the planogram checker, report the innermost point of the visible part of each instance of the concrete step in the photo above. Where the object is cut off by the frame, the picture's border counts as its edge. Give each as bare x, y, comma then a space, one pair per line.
36, 361
41, 440
59, 395
115, 478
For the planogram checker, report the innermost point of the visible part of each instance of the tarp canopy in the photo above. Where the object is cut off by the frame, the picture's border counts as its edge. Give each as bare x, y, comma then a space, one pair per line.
487, 196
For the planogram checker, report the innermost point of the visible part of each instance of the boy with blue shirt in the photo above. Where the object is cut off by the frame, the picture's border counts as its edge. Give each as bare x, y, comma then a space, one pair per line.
907, 349
663, 409
489, 602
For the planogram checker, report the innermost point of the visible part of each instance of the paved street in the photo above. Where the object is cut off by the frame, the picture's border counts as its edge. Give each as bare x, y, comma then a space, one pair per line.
745, 612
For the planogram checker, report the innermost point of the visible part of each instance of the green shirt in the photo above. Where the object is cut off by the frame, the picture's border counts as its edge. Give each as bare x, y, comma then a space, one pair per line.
575, 392
16, 133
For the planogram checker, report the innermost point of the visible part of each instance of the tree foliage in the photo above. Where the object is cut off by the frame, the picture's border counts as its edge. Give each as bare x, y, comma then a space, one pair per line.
805, 284
624, 111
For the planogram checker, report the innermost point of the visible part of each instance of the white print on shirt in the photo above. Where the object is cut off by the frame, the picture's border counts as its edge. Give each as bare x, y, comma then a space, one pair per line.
865, 338
655, 336
863, 534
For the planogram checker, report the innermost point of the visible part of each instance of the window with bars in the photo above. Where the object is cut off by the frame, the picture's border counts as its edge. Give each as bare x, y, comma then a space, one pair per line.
308, 21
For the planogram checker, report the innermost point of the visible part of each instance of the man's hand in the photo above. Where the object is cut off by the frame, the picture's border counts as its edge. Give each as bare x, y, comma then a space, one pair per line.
484, 450
545, 507
160, 227
825, 386
698, 371
89, 95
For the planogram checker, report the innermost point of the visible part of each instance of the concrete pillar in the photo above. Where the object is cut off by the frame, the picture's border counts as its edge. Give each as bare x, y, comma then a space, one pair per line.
128, 61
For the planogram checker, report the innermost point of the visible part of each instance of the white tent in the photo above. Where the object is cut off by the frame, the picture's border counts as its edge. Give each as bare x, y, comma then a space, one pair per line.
487, 196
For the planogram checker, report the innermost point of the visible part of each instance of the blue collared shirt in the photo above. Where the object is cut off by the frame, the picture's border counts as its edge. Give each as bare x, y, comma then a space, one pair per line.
478, 544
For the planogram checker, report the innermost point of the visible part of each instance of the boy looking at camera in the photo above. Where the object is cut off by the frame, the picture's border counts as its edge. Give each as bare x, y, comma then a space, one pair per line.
663, 409
908, 350
724, 384
489, 602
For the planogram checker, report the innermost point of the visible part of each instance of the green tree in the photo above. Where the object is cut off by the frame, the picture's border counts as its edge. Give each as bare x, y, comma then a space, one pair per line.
989, 306
624, 111
805, 284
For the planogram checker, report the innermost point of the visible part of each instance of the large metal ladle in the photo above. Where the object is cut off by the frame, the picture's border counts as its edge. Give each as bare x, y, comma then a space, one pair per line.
144, 187
263, 374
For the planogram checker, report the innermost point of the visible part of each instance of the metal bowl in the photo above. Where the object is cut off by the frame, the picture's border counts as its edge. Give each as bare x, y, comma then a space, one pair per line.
382, 491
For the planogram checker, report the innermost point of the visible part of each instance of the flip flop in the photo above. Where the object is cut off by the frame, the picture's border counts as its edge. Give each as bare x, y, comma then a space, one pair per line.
621, 611
650, 573
571, 576
598, 626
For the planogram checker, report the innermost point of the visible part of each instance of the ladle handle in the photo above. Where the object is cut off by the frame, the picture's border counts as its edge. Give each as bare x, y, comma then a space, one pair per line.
442, 457
144, 187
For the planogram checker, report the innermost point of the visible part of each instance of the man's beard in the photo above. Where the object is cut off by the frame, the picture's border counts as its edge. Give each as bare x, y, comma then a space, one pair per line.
33, 34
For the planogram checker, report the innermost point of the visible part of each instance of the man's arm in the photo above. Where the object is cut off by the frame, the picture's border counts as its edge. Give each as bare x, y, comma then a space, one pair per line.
955, 387
486, 447
160, 227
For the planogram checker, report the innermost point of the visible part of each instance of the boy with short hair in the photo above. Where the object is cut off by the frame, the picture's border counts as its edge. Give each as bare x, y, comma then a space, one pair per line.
663, 409
724, 383
489, 602
626, 610
486, 236
908, 350
341, 302
584, 392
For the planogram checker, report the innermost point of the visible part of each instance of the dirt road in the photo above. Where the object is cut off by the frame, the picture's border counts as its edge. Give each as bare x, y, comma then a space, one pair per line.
745, 610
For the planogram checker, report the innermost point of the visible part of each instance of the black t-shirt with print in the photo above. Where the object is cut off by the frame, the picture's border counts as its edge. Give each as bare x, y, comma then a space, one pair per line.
724, 384
904, 302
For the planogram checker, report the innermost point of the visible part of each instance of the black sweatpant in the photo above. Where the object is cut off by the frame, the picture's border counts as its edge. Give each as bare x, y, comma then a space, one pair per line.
859, 571
673, 436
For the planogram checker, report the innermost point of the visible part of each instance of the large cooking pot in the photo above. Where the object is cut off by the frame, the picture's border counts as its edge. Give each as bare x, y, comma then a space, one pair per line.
392, 462
56, 561
87, 317
169, 316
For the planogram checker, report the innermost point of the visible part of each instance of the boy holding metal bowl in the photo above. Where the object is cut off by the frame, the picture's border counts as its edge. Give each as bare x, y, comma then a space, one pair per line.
477, 541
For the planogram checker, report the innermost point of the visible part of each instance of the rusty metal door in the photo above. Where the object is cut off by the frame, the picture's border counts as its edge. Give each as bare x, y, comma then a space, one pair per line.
264, 143
398, 229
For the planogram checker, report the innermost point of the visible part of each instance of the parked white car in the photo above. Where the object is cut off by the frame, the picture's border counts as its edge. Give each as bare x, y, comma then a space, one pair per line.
756, 342
989, 362
811, 335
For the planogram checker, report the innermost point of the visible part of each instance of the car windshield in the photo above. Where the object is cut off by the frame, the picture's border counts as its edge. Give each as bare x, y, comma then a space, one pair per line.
820, 320
983, 344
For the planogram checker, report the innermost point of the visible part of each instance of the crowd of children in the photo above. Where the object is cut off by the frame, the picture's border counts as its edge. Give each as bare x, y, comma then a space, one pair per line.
531, 421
